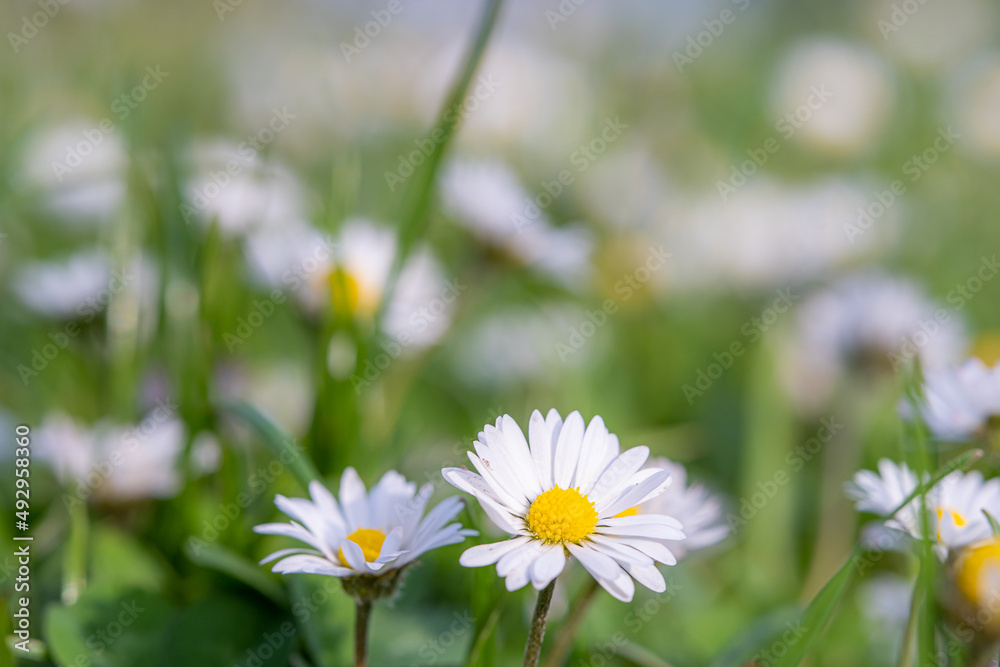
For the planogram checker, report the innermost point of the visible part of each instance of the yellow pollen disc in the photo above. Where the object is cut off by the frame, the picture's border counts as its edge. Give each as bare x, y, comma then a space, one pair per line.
370, 541
987, 348
344, 292
979, 573
561, 515
631, 511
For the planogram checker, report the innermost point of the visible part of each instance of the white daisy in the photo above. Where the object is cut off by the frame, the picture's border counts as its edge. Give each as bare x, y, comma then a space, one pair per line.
959, 401
560, 495
112, 462
350, 272
869, 321
366, 533
957, 504
63, 288
700, 509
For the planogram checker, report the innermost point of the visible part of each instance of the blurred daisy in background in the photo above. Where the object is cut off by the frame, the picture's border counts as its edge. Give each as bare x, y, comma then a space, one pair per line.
834, 96
376, 533
973, 103
112, 462
76, 170
913, 34
959, 402
234, 187
869, 322
348, 274
62, 289
487, 197
561, 496
700, 510
957, 504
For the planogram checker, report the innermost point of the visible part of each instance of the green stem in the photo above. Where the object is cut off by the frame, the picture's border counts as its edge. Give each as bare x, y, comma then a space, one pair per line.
414, 216
75, 572
564, 641
533, 649
364, 610
906, 650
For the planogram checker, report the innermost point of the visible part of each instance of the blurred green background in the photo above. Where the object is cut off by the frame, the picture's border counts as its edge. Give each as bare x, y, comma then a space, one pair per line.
199, 203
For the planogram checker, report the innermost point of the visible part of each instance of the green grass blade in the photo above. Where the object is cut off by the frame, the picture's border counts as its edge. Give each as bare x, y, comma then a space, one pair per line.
220, 559
282, 446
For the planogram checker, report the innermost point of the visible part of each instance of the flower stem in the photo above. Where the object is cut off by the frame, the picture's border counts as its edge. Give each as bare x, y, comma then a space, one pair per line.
363, 609
534, 647
564, 641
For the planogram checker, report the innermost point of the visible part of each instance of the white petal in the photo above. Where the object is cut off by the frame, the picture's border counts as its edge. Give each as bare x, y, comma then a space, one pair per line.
606, 571
655, 530
310, 565
354, 500
540, 437
444, 512
499, 514
355, 557
591, 454
647, 575
504, 486
618, 474
567, 453
487, 554
289, 552
655, 550
519, 455
327, 504
648, 488
547, 567
493, 451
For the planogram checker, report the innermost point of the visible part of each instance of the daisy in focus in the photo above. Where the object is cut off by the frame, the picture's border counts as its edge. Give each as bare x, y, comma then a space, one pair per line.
366, 538
562, 495
959, 402
957, 505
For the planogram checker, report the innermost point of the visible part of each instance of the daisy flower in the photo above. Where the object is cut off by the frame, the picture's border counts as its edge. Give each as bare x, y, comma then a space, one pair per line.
959, 401
957, 504
702, 511
561, 495
365, 534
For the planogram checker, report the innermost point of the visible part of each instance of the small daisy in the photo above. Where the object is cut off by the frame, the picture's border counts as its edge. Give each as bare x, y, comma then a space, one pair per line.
561, 495
959, 401
366, 534
702, 511
957, 504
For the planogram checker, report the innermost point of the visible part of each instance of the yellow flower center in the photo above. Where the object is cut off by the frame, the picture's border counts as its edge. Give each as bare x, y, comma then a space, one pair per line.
987, 348
561, 515
370, 541
979, 573
631, 511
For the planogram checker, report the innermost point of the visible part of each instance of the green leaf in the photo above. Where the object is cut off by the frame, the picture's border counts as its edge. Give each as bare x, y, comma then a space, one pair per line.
220, 559
819, 613
282, 446
227, 631
118, 560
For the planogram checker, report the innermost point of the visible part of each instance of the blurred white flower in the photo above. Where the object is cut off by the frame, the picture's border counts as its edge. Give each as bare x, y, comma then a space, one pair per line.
350, 272
112, 462
956, 505
559, 496
769, 234
517, 345
366, 533
973, 102
834, 96
867, 320
77, 169
913, 32
884, 601
235, 187
281, 390
699, 510
488, 198
959, 401
64, 289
